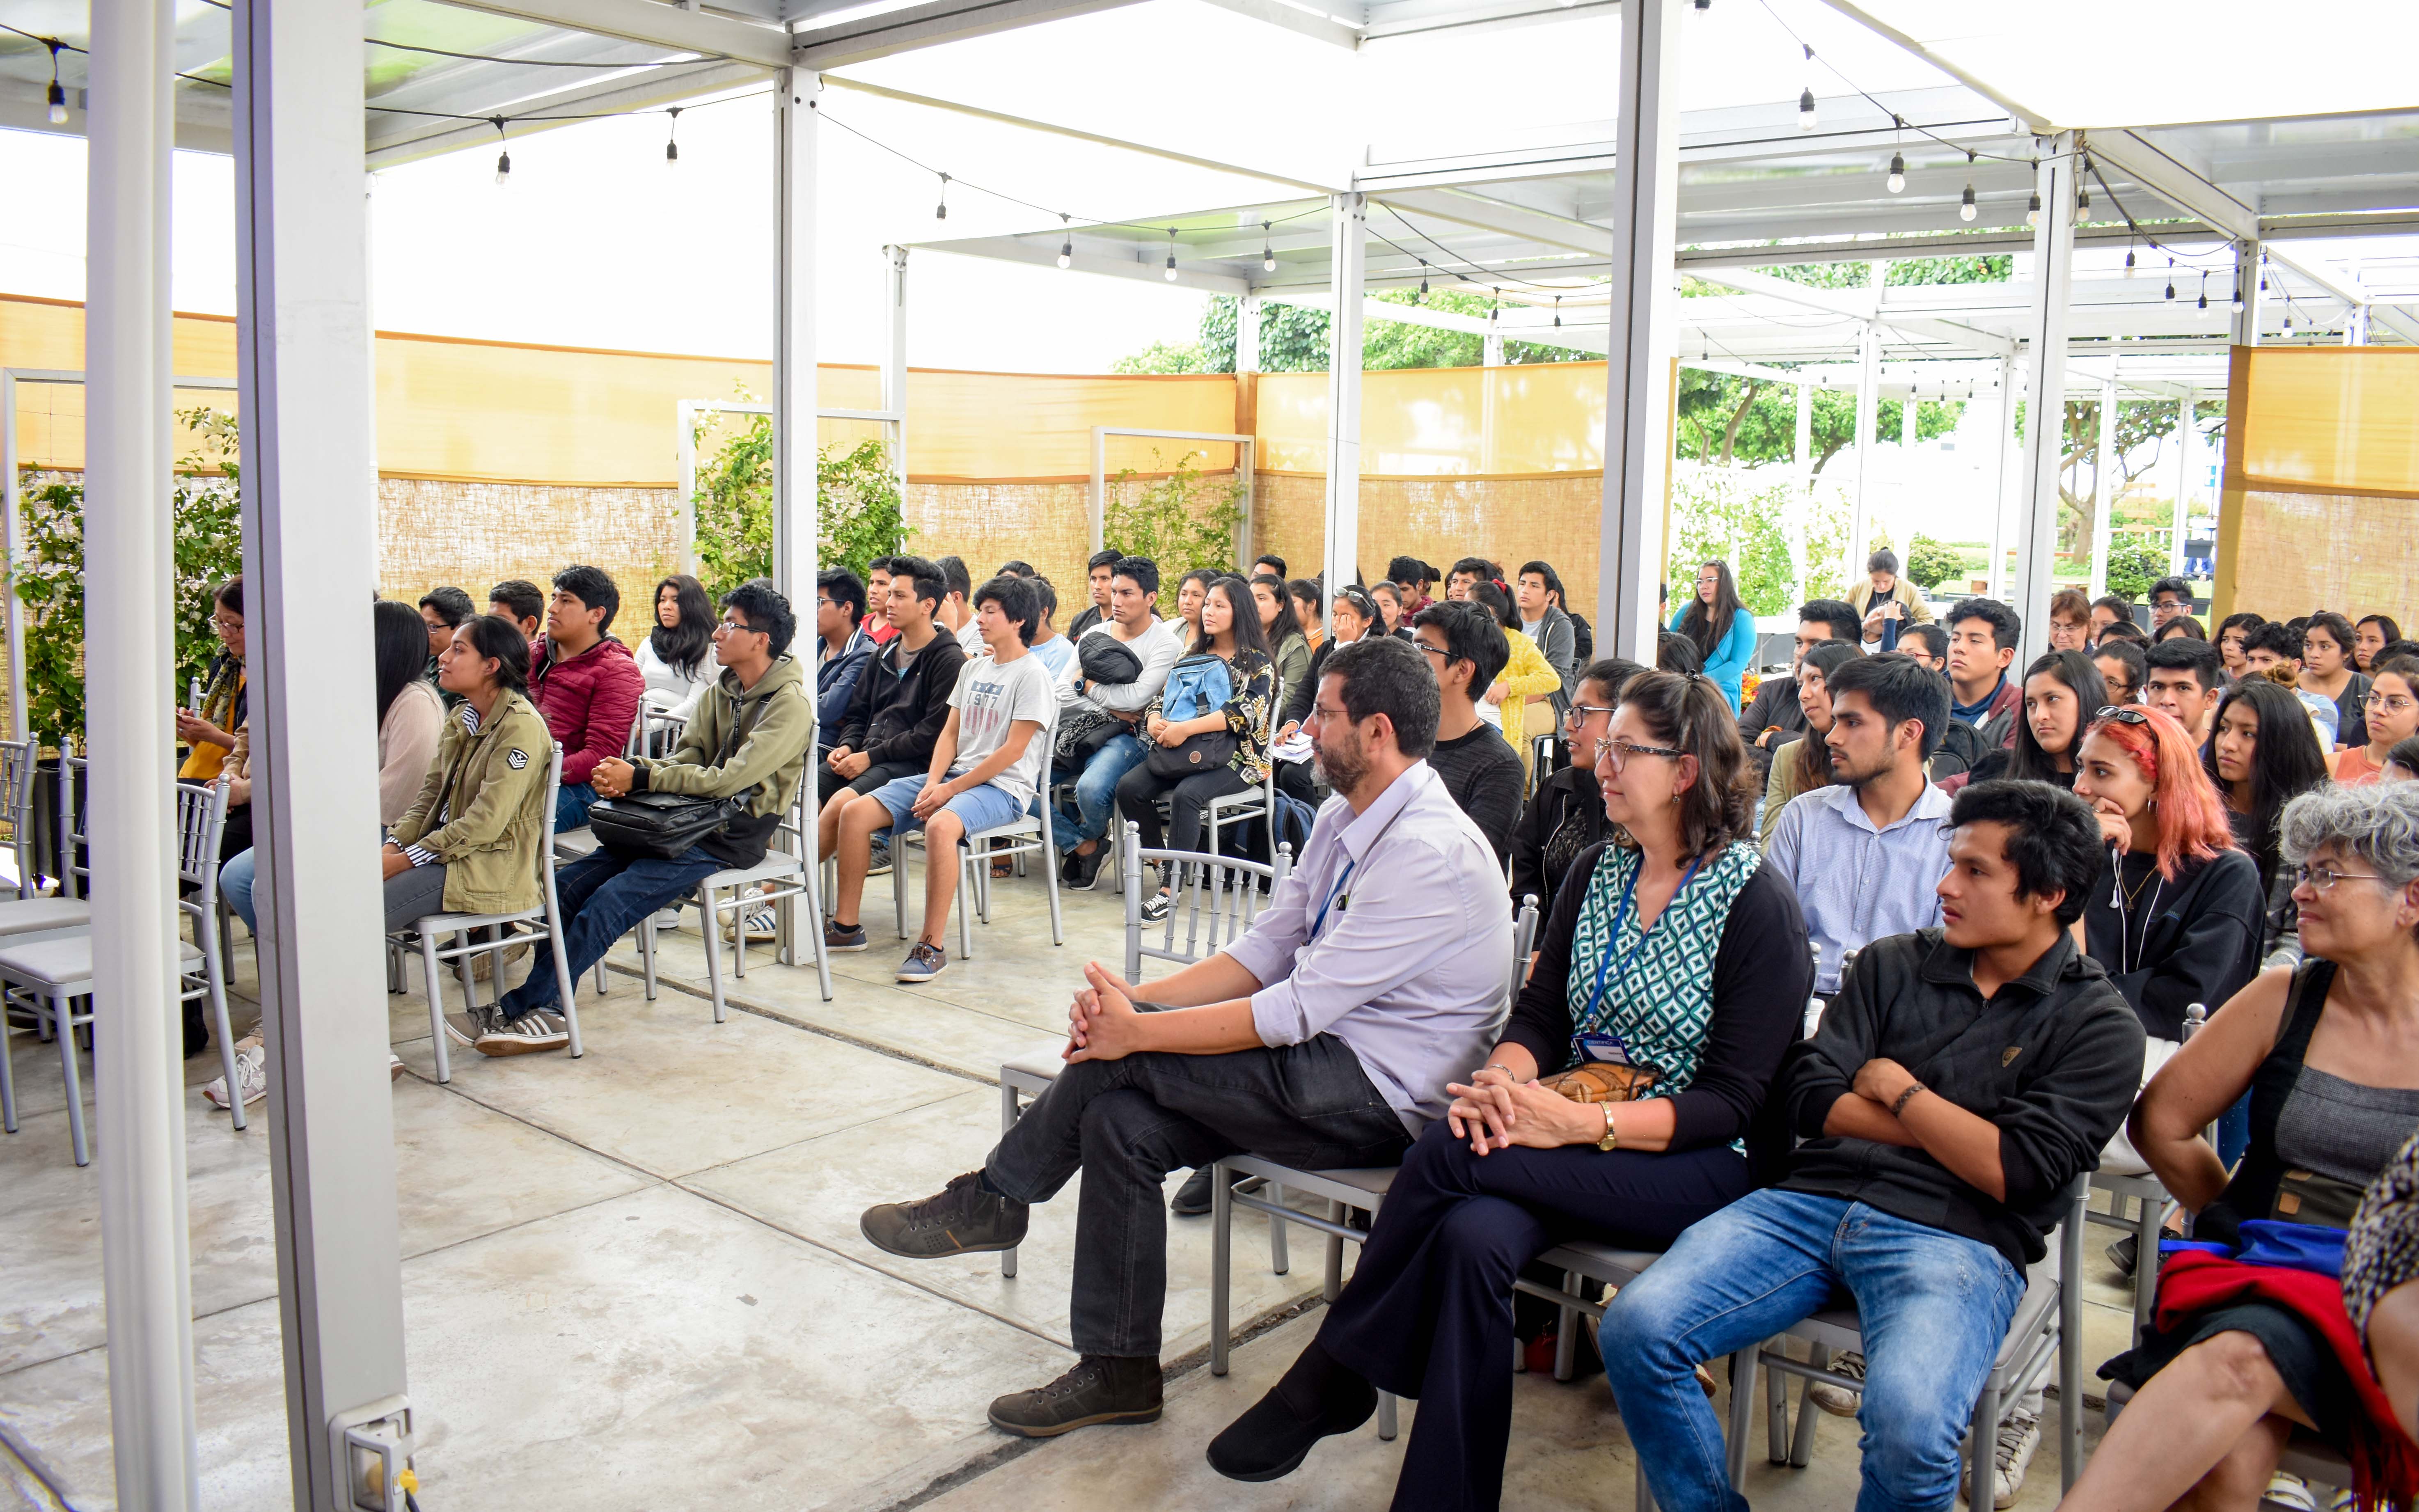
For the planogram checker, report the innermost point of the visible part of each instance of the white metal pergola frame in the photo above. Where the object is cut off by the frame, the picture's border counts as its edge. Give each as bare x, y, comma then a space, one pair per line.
1099, 496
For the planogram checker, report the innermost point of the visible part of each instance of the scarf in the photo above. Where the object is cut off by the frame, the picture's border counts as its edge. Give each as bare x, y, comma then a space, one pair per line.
1659, 983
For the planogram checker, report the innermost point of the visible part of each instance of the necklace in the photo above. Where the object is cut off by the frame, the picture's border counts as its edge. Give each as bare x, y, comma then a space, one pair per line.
2133, 894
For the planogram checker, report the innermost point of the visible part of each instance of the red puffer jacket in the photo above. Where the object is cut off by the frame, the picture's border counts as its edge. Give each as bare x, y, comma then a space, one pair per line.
589, 700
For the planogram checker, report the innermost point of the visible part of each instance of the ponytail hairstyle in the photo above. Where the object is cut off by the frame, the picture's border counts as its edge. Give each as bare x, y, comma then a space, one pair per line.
2191, 815
1687, 712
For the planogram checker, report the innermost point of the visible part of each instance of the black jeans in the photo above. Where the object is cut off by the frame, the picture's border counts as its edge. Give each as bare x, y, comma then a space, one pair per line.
1138, 794
1125, 1124
1428, 1311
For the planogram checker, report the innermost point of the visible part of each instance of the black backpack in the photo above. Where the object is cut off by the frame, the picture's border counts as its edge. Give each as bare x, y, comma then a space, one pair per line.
1961, 749
1582, 641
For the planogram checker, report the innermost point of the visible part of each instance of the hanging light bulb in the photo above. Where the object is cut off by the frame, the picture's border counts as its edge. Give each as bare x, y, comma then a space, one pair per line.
941, 212
1806, 110
2236, 303
671, 146
1267, 249
2129, 259
504, 159
1897, 179
1558, 312
2082, 201
1171, 254
1966, 202
1423, 284
2032, 209
1066, 246
58, 95
2171, 278
2204, 290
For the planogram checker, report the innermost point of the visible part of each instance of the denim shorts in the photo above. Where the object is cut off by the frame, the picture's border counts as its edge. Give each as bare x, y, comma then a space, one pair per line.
987, 807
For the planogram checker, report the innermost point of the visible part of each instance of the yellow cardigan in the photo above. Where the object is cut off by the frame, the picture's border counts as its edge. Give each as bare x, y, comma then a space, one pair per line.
1528, 673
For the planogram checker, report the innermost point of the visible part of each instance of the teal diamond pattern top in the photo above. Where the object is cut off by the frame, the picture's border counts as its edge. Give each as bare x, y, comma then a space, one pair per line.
1658, 991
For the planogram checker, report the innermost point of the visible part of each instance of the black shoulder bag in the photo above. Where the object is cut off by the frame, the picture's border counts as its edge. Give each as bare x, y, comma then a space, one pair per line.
666, 824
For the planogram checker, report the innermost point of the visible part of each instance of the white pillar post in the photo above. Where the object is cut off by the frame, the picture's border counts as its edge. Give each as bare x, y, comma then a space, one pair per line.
1490, 350
793, 333
310, 519
894, 366
1869, 382
2187, 437
139, 1091
1794, 529
1639, 331
2246, 285
2045, 385
2103, 487
1247, 334
1902, 497
2002, 444
1349, 224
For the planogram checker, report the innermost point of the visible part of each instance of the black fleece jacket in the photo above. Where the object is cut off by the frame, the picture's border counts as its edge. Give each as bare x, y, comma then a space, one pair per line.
2200, 943
897, 712
2053, 1059
1570, 796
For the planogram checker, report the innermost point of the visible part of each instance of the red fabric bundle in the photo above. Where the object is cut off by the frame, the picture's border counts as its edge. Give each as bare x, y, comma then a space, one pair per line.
2385, 1461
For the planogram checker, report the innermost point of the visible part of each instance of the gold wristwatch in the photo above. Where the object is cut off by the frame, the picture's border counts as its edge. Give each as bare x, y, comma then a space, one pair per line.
1610, 1140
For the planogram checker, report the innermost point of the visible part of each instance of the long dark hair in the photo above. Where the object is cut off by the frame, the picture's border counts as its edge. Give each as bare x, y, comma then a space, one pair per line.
1287, 622
683, 647
399, 640
1709, 629
1490, 595
498, 639
2029, 760
1813, 759
2285, 763
1246, 629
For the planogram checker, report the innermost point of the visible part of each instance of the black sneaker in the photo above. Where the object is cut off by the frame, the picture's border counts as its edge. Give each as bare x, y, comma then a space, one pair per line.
961, 1219
1156, 907
1083, 871
1103, 1388
1316, 1399
2125, 1254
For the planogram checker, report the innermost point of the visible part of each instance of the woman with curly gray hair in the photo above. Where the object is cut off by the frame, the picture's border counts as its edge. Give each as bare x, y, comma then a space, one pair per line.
2245, 1352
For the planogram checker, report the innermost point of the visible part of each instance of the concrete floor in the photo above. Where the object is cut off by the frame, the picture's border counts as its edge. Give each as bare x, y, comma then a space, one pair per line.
635, 1280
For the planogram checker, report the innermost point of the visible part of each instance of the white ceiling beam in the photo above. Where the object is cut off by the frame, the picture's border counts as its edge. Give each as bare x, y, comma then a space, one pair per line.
929, 24
1859, 304
2170, 176
2035, 120
1317, 28
2319, 272
1013, 249
1484, 213
647, 20
399, 139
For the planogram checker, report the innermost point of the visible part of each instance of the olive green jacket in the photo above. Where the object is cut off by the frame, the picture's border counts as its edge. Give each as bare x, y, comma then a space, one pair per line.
776, 723
490, 787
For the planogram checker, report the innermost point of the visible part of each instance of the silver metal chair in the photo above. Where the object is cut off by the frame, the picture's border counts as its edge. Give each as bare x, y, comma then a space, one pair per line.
1252, 803
477, 934
31, 915
1024, 835
50, 976
580, 843
787, 872
2150, 1206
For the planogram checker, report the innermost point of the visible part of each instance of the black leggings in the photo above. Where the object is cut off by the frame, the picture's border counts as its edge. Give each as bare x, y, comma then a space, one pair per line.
1138, 794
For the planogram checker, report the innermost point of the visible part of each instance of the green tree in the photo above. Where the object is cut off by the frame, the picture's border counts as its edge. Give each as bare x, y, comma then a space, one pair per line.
1931, 564
1725, 419
1293, 339
2143, 426
1718, 515
1179, 521
859, 512
2133, 565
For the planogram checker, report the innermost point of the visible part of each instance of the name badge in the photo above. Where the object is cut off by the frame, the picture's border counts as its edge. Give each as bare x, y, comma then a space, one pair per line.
1605, 1048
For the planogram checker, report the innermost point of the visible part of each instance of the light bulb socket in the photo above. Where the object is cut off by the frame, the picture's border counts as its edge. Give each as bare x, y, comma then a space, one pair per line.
1066, 252
1170, 273
671, 153
58, 100
2204, 301
2032, 209
2171, 288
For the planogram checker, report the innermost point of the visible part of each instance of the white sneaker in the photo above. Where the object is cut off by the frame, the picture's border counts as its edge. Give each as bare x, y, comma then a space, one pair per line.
393, 1067
252, 1075
2019, 1436
759, 926
668, 917
2289, 1493
1838, 1401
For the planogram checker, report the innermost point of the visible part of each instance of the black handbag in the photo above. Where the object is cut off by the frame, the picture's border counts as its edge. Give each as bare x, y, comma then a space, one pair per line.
1196, 754
666, 824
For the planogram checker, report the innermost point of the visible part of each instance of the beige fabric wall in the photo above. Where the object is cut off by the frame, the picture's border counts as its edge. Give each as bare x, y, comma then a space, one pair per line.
1551, 517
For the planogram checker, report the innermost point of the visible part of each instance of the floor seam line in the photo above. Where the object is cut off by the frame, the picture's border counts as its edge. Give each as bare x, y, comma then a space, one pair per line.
776, 1016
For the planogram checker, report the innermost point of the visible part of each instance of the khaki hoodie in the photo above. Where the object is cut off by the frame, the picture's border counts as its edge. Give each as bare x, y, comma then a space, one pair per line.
775, 724
490, 786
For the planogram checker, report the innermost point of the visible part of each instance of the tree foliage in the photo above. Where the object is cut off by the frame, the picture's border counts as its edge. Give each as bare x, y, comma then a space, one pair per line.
1293, 339
859, 512
1181, 521
2133, 565
1726, 420
1931, 564
2142, 429
1723, 516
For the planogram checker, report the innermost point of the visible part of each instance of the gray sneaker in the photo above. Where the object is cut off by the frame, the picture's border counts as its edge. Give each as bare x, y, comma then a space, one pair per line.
1839, 1400
2019, 1437
537, 1029
464, 1027
960, 1219
924, 962
880, 862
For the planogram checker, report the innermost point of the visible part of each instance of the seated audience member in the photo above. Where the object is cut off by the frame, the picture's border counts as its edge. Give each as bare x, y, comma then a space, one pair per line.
1466, 574
2182, 627
1354, 617
1720, 626
2123, 666
2261, 757
1391, 615
1538, 597
2327, 672
2370, 635
2402, 763
1307, 609
1056, 651
900, 703
2389, 717
1097, 572
1191, 591
1016, 568
2170, 600
1237, 656
2230, 633
842, 649
1410, 578
443, 610
1676, 653
2126, 631
2176, 914
2062, 691
1803, 765
749, 737
1864, 855
1773, 715
1466, 647
1565, 816
1275, 565
1961, 1080
2380, 1260
2244, 1351
957, 616
2275, 650
1527, 687
1982, 634
1883, 587
1324, 1037
1674, 958
677, 657
2070, 620
522, 602
585, 683
1083, 834
877, 626
1927, 644
2181, 679
468, 843
1282, 629
210, 732
987, 765
2109, 612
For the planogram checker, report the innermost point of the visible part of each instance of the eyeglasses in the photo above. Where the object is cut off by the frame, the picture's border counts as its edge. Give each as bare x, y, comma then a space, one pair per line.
737, 628
2391, 702
2323, 879
226, 625
2123, 713
1580, 712
1621, 752
1433, 651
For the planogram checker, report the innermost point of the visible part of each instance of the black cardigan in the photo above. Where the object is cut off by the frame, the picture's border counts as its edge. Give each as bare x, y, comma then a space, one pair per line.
1762, 974
2203, 945
1569, 796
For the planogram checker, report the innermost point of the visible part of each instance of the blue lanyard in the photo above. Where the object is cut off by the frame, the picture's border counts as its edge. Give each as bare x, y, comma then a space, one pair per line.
1604, 962
1332, 893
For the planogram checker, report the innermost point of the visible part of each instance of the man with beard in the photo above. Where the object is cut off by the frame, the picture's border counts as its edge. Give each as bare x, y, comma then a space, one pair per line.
1322, 1038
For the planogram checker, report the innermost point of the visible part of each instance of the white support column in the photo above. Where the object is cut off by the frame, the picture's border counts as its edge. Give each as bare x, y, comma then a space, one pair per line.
2246, 277
2045, 385
1869, 382
1490, 347
2187, 439
1639, 333
1247, 334
2104, 487
793, 333
1902, 497
2003, 443
139, 1090
1794, 529
894, 366
1345, 273
310, 519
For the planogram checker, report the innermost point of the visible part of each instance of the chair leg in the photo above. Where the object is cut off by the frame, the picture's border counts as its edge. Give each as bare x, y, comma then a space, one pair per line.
712, 928
435, 984
1387, 1426
1334, 1285
8, 1080
1801, 1443
2148, 1213
973, 886
1776, 1430
815, 914
1279, 1262
1642, 1496
1222, 1243
216, 987
898, 881
1049, 877
1008, 1109
64, 1010
1565, 1340
1982, 1443
561, 982
647, 955
1743, 1370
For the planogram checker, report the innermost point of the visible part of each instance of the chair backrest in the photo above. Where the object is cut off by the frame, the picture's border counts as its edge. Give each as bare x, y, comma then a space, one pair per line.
75, 851
201, 823
1524, 939
660, 731
1216, 899
637, 744
17, 762
545, 846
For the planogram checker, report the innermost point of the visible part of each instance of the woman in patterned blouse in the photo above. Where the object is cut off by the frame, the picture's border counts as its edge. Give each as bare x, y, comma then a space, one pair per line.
1671, 958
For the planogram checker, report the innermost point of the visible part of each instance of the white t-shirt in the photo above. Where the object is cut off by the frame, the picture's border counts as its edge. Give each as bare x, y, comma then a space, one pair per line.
970, 637
990, 698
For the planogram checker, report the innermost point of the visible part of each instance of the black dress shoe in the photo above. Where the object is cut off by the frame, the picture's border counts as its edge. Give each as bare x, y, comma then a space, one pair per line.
1102, 1388
1317, 1399
1193, 1198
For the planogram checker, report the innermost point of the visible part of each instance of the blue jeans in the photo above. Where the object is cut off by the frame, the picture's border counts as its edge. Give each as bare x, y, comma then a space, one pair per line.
604, 897
235, 886
571, 804
1934, 1307
1096, 792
